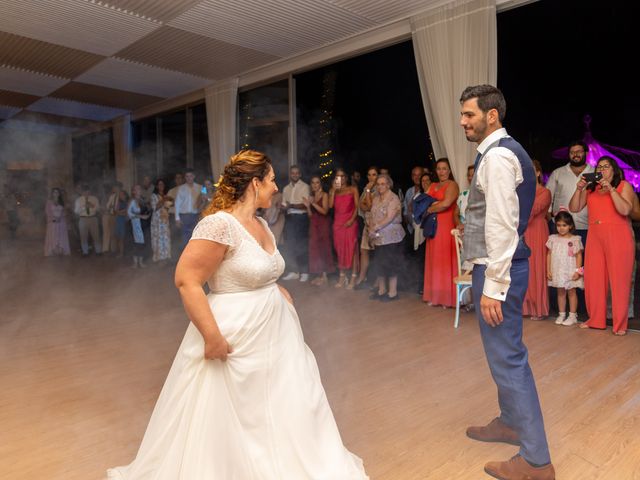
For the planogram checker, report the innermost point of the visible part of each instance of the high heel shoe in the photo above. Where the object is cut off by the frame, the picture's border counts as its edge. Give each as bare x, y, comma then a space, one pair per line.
352, 282
342, 281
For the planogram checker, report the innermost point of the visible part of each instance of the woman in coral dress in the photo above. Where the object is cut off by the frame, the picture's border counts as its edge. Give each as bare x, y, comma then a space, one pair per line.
536, 300
441, 264
320, 251
344, 199
57, 237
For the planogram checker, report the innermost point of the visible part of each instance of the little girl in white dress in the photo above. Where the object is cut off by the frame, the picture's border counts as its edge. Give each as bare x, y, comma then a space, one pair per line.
564, 267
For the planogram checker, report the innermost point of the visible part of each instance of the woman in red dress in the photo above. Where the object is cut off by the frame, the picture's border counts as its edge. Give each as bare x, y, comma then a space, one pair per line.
536, 300
343, 198
441, 264
610, 249
320, 254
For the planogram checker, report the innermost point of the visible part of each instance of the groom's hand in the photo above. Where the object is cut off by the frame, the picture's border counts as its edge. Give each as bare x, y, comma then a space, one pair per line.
491, 311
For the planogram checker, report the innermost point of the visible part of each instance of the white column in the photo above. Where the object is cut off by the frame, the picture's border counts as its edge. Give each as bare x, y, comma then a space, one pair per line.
222, 117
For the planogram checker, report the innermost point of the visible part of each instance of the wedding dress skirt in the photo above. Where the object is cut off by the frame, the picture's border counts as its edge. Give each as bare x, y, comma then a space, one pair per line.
261, 415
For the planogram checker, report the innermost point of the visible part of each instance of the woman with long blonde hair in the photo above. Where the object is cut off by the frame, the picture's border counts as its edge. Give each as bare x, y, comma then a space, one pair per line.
243, 399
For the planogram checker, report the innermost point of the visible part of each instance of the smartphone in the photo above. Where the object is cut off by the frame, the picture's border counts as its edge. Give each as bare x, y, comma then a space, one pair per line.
203, 190
592, 177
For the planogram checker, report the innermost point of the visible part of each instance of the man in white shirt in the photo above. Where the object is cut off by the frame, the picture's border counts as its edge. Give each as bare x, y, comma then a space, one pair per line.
86, 208
296, 226
562, 184
500, 201
186, 206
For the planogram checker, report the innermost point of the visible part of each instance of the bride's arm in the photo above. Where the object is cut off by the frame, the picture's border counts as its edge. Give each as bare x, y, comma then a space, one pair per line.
199, 260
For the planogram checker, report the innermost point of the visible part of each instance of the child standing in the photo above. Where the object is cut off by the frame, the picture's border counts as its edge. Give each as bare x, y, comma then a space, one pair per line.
564, 267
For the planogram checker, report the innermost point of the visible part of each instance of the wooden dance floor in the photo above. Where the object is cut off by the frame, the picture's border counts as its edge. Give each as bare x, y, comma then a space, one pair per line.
85, 345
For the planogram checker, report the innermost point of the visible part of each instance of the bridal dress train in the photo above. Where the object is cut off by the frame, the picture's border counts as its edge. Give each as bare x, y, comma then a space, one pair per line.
261, 415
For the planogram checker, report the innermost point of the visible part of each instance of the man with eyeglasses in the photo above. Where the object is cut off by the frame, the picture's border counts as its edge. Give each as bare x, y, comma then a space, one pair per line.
562, 183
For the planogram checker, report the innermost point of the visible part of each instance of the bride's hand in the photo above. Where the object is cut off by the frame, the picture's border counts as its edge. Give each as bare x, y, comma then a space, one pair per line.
217, 349
286, 294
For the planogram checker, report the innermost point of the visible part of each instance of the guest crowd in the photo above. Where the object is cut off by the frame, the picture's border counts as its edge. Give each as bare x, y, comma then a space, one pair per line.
148, 223
368, 233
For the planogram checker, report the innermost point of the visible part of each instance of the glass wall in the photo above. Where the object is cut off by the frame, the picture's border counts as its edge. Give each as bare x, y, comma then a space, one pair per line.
93, 159
264, 124
201, 154
168, 143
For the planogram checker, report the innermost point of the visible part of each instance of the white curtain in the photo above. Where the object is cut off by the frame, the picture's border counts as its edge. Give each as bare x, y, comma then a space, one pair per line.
455, 46
221, 102
122, 150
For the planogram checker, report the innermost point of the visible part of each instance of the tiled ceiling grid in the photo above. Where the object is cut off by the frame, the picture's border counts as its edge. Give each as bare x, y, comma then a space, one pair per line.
97, 60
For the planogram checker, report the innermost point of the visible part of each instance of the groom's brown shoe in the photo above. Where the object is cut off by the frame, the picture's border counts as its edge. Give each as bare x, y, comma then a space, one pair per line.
495, 431
519, 469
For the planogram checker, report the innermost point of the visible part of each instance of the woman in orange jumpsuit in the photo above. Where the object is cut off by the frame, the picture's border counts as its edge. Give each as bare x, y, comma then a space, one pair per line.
610, 249
441, 264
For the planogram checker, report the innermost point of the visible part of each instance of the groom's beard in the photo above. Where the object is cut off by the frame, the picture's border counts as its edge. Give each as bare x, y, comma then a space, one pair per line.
578, 163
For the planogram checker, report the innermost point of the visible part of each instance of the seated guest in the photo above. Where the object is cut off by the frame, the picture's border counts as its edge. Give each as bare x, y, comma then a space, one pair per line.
386, 234
610, 251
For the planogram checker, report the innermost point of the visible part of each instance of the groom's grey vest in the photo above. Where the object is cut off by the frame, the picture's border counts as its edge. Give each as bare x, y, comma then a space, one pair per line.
475, 245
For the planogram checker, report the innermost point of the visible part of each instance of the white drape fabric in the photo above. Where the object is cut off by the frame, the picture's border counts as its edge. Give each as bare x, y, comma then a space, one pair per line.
122, 150
455, 46
221, 103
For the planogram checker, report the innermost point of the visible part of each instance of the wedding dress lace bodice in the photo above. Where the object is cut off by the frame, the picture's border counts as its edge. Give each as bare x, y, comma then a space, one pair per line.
246, 265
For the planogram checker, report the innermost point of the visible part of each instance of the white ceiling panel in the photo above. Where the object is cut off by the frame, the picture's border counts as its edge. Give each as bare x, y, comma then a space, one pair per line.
277, 27
139, 78
383, 11
78, 24
32, 83
69, 108
7, 112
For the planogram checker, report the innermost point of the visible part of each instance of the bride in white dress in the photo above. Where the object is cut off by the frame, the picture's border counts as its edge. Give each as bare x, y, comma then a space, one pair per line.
243, 399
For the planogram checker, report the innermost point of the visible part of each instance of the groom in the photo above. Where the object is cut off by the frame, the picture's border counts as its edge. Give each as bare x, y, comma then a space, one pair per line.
500, 201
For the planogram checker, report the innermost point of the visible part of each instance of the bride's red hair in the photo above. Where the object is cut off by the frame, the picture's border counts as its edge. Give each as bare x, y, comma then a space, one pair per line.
243, 167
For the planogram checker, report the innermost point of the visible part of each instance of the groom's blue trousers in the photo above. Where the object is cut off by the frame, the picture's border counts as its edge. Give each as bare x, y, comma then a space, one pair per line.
509, 364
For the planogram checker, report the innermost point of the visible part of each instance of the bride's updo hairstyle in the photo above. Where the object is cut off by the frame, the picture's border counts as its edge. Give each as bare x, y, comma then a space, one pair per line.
243, 167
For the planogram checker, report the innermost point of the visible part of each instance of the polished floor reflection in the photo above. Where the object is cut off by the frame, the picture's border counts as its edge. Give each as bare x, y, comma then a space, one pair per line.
85, 346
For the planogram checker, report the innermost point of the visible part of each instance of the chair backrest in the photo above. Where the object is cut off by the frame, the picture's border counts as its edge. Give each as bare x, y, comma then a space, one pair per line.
458, 241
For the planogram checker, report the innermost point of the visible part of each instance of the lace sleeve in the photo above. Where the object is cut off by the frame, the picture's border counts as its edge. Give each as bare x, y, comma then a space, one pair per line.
215, 228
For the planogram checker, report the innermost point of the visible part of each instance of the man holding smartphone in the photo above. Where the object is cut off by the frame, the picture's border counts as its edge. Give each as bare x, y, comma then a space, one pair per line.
562, 184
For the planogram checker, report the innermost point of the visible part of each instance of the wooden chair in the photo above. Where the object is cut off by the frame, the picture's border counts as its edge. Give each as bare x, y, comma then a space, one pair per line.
463, 280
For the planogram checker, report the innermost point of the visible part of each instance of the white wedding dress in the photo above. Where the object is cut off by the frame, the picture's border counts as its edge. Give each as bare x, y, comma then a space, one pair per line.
261, 415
